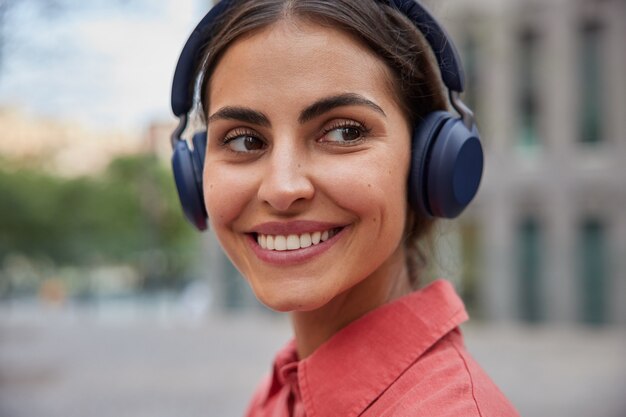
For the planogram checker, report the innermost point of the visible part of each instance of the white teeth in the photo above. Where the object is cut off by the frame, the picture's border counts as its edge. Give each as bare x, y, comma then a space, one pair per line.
305, 240
293, 242
280, 243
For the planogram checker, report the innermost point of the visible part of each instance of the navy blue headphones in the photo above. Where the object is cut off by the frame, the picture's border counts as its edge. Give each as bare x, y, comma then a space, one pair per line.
447, 157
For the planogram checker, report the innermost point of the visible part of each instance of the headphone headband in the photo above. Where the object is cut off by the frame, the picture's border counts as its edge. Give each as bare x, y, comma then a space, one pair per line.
184, 75
446, 54
440, 42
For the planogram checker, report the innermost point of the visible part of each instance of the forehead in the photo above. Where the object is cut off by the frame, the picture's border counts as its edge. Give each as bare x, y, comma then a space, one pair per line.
296, 62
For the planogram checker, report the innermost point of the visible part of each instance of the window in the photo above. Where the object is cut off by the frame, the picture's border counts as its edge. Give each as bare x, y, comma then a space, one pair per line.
590, 83
529, 260
593, 270
470, 65
528, 101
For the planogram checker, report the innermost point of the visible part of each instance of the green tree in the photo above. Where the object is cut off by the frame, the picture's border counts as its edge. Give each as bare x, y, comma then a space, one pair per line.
130, 215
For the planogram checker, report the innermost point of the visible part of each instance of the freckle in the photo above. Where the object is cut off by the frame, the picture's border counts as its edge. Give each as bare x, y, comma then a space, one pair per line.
299, 166
210, 186
374, 219
369, 185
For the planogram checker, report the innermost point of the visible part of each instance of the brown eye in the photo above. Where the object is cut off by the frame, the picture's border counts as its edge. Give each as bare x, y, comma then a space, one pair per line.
344, 134
245, 143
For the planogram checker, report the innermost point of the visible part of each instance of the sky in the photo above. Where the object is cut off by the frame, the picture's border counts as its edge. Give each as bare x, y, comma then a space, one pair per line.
108, 65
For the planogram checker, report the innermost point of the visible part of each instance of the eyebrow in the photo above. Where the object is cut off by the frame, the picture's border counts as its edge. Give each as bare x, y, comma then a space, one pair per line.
327, 104
243, 114
321, 106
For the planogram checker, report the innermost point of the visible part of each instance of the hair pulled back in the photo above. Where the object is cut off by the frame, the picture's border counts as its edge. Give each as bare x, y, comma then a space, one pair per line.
391, 36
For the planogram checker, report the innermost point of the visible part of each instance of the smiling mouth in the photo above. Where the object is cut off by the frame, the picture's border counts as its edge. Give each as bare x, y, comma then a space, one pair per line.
294, 241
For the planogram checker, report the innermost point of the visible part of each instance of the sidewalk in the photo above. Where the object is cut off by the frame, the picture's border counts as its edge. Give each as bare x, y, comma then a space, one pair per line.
57, 364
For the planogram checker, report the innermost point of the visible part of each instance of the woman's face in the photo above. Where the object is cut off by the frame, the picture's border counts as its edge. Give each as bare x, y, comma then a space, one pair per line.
306, 166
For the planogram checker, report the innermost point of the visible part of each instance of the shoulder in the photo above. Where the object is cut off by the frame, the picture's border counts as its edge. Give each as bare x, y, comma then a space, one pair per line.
445, 381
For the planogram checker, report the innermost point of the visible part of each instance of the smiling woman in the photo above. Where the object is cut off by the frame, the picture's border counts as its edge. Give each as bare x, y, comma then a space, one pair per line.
327, 156
297, 165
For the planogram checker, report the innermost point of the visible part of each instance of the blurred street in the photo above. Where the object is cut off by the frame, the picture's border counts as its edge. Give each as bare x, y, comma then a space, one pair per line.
87, 362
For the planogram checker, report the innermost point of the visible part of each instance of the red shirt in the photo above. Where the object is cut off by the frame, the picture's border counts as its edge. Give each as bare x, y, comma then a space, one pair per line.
406, 358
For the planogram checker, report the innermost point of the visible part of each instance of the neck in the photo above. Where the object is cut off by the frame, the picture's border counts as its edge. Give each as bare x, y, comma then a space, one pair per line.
313, 328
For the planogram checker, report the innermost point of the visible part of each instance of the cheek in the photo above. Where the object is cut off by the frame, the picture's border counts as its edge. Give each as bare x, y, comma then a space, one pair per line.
373, 185
226, 194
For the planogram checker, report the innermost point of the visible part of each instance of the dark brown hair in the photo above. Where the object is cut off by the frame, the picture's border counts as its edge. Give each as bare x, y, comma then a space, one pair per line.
386, 32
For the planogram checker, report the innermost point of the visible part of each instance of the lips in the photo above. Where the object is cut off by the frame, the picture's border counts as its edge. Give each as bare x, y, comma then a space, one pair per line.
293, 242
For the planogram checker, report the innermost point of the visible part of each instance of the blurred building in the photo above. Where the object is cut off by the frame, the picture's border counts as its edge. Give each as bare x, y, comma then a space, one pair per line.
546, 238
59, 146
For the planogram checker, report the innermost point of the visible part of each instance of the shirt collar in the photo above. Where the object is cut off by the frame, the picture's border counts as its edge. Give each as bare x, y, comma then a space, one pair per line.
348, 372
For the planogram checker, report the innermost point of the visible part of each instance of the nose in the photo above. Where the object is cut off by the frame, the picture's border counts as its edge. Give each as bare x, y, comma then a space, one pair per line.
286, 182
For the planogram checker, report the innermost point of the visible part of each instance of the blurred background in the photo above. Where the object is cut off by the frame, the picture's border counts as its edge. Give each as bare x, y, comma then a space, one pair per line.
110, 304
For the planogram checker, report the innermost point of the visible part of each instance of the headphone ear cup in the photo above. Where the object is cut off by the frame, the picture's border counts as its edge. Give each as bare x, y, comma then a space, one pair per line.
450, 168
423, 135
455, 168
198, 154
187, 166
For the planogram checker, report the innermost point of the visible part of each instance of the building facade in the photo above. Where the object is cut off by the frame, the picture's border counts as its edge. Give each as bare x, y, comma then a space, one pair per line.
546, 237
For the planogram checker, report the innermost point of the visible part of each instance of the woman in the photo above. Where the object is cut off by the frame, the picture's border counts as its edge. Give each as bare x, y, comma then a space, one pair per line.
323, 170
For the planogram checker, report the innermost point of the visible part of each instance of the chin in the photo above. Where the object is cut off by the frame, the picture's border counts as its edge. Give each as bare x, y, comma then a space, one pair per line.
285, 301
